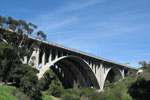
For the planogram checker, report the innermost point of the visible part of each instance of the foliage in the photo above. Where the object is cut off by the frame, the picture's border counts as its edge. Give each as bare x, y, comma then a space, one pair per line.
69, 96
48, 77
20, 95
45, 96
107, 84
118, 91
140, 89
146, 70
8, 61
26, 79
15, 44
56, 90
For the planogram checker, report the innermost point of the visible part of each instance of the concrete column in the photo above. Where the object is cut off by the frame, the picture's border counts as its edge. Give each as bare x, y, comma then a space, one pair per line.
25, 60
98, 74
122, 73
102, 77
50, 55
43, 57
37, 58
31, 60
87, 61
94, 64
96, 67
91, 64
56, 54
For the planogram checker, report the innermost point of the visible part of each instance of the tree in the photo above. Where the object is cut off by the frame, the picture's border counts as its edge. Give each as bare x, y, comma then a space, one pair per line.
17, 32
140, 89
14, 38
15, 44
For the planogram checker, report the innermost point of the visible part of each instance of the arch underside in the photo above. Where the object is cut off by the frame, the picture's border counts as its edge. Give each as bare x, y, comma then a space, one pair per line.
114, 71
74, 72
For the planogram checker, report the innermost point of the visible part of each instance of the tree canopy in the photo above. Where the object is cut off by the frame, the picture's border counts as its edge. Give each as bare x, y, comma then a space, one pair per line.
15, 44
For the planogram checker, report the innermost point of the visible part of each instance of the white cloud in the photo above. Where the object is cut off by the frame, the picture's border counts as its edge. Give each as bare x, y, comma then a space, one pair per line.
50, 25
81, 5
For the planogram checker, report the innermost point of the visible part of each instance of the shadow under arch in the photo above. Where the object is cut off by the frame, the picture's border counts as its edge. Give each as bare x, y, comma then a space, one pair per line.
81, 61
111, 73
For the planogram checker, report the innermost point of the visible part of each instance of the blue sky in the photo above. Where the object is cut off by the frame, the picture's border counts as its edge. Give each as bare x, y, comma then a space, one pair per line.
118, 30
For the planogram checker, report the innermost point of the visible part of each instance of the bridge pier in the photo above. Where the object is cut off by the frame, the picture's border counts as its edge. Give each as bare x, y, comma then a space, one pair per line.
50, 55
43, 57
37, 58
122, 73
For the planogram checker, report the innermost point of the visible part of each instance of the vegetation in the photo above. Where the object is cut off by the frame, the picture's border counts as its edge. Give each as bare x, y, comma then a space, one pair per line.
14, 46
6, 93
140, 89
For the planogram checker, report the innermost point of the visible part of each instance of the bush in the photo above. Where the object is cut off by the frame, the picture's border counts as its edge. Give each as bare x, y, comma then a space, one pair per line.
87, 92
20, 95
69, 96
27, 80
56, 90
119, 91
107, 84
140, 89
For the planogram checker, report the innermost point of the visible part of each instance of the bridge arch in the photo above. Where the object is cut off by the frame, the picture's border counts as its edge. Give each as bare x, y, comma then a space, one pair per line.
67, 60
112, 72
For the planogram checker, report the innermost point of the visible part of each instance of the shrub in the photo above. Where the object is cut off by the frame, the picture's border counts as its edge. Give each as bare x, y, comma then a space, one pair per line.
140, 89
69, 96
20, 95
56, 90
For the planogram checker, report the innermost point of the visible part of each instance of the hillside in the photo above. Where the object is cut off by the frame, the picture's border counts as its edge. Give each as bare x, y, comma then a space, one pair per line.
6, 92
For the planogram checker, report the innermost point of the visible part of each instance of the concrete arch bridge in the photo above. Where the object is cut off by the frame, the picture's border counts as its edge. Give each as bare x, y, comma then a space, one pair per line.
74, 67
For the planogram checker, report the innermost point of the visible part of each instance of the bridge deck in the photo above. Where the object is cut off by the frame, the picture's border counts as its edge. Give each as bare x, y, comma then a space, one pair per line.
76, 51
82, 53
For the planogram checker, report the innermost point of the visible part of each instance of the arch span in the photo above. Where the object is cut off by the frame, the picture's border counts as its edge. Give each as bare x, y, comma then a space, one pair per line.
66, 60
112, 71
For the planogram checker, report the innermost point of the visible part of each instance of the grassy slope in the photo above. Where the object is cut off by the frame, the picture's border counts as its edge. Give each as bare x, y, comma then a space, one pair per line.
6, 92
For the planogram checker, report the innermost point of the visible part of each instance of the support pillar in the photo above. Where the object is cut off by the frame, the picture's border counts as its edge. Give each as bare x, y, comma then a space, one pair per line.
94, 64
43, 57
102, 77
25, 60
32, 58
98, 74
122, 73
56, 56
37, 58
91, 64
50, 55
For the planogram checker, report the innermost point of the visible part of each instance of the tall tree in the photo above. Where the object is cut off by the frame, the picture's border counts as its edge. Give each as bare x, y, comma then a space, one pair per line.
15, 43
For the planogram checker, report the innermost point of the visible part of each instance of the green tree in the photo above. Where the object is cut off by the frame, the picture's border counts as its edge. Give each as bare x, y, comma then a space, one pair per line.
140, 89
15, 44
